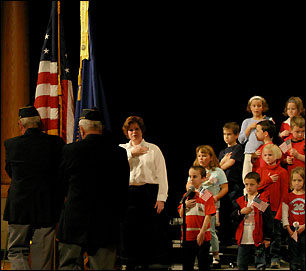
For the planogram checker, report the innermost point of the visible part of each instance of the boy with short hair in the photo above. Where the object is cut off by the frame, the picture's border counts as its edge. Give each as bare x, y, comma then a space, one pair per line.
295, 156
254, 218
199, 209
265, 131
231, 161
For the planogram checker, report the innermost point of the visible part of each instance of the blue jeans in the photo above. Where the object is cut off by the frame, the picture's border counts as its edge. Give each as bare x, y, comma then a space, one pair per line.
245, 252
214, 241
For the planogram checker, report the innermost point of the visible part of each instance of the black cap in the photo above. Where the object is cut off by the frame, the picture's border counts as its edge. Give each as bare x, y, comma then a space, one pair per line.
27, 112
91, 114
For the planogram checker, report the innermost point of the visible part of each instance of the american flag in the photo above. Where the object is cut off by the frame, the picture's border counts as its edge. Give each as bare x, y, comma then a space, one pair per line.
286, 146
296, 226
259, 204
54, 93
294, 236
205, 195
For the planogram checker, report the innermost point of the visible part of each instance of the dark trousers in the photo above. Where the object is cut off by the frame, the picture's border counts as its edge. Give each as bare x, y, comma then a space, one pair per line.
275, 247
142, 237
297, 252
70, 257
191, 250
245, 252
227, 230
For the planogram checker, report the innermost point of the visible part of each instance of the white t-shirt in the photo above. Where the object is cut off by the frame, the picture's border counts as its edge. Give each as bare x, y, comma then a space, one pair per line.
248, 227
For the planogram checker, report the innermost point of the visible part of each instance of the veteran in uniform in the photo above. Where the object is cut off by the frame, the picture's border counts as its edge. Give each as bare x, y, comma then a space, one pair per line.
96, 178
32, 207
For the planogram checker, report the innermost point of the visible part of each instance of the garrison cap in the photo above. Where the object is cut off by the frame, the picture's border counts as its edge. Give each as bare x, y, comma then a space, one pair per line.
91, 114
27, 112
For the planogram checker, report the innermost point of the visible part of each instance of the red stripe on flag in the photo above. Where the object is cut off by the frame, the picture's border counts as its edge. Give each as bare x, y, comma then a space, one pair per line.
46, 101
47, 77
49, 124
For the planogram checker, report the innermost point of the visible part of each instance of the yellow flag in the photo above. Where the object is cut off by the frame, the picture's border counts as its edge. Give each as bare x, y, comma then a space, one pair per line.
84, 50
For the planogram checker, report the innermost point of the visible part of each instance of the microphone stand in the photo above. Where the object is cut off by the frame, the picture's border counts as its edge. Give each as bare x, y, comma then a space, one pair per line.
184, 230
184, 222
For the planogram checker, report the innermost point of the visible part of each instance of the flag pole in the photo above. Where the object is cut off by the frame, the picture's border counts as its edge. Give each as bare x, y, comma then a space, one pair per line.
60, 102
84, 49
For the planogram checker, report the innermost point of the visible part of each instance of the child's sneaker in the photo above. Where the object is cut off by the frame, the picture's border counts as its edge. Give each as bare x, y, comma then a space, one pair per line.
216, 263
275, 265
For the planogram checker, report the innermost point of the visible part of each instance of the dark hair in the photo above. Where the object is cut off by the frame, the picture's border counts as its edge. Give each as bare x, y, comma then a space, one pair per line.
201, 169
129, 121
268, 126
253, 175
234, 126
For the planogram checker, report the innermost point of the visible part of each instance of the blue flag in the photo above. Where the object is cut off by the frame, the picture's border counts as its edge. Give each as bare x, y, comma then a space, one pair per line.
90, 91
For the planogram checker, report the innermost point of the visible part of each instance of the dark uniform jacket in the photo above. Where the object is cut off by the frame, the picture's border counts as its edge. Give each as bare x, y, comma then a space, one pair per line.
32, 162
96, 176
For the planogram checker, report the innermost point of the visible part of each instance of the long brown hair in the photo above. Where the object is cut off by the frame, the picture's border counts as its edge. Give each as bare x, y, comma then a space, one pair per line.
301, 172
210, 151
299, 104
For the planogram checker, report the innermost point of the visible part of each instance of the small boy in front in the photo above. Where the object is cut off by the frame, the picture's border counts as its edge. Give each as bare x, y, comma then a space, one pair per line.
199, 209
255, 221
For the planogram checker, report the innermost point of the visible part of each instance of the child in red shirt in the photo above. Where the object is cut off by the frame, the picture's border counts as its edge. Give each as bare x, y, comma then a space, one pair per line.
199, 209
294, 107
274, 182
254, 230
294, 211
295, 156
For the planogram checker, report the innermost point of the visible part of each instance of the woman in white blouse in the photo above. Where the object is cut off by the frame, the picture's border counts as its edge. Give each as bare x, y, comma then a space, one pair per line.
141, 235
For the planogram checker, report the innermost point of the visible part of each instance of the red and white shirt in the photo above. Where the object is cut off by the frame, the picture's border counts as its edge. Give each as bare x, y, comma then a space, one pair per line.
195, 217
293, 210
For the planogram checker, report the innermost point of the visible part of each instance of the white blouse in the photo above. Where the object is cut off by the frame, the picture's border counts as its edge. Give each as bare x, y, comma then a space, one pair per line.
148, 168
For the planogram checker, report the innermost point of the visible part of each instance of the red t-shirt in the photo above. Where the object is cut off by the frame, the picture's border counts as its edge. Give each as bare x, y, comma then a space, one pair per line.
296, 208
300, 147
285, 126
195, 217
